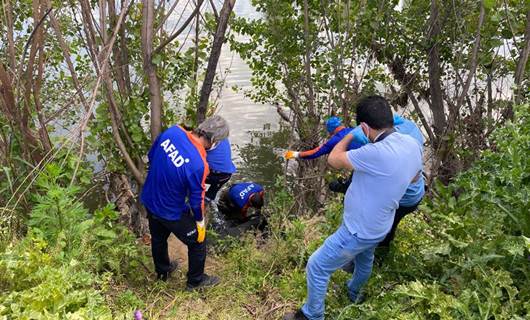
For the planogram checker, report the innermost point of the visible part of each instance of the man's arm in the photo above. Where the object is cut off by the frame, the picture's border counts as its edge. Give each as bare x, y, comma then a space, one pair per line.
320, 150
338, 158
197, 185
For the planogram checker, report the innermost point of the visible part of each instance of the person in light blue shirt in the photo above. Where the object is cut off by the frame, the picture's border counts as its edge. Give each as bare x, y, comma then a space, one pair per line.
382, 172
219, 158
415, 191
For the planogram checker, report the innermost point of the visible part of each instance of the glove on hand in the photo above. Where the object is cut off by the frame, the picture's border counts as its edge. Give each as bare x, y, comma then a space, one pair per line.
398, 119
291, 154
201, 231
359, 136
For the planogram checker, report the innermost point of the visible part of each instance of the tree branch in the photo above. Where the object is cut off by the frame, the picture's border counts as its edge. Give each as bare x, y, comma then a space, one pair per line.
214, 59
180, 30
66, 54
474, 59
523, 59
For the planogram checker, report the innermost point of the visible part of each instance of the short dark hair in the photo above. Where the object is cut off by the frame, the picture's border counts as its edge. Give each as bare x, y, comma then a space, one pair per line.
256, 201
375, 112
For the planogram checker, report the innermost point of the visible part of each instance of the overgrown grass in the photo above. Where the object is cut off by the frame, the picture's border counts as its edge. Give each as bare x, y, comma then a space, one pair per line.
464, 255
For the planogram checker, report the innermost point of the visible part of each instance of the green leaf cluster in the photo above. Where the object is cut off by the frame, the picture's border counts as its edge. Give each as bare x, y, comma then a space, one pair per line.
63, 268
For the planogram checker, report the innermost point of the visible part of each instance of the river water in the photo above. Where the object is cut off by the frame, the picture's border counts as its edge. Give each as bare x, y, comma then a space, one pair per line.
249, 121
242, 114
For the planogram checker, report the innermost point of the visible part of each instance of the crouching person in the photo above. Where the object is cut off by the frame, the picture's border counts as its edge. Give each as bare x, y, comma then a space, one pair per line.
173, 194
235, 204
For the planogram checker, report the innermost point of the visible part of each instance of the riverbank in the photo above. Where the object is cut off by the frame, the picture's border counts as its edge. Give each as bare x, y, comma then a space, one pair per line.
464, 255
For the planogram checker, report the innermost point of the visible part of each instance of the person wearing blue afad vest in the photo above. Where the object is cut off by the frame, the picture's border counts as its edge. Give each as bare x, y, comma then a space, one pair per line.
382, 172
415, 191
219, 158
235, 202
336, 132
173, 195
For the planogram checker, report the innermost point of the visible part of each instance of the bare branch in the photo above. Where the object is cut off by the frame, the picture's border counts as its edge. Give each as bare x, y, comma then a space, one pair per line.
66, 54
307, 61
474, 59
180, 30
214, 9
164, 19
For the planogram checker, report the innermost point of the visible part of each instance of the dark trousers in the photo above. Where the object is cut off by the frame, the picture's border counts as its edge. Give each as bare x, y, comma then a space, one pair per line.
185, 230
400, 213
228, 208
216, 180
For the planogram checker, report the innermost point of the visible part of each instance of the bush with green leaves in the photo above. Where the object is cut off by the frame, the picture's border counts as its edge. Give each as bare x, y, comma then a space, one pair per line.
63, 267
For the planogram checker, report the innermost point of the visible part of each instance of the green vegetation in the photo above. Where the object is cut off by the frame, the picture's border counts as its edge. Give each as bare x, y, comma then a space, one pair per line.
465, 255
90, 83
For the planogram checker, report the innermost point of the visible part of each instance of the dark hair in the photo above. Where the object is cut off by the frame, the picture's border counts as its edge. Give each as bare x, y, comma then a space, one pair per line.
375, 111
204, 134
256, 200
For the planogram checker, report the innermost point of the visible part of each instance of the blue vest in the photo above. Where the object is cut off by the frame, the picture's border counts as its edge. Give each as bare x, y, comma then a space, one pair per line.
176, 178
240, 192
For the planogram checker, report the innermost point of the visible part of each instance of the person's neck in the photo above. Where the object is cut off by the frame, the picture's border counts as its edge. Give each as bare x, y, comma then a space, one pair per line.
202, 141
375, 134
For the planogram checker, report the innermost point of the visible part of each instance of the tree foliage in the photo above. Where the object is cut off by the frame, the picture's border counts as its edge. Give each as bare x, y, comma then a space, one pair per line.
449, 64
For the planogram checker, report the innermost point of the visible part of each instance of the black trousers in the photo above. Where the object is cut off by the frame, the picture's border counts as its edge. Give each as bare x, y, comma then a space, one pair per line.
216, 180
185, 230
228, 208
400, 213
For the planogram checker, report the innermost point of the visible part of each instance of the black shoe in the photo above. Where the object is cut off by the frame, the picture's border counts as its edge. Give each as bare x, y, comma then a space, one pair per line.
298, 315
207, 281
338, 186
163, 276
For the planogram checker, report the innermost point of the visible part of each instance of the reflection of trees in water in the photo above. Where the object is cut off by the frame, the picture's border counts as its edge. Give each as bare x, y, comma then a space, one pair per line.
260, 160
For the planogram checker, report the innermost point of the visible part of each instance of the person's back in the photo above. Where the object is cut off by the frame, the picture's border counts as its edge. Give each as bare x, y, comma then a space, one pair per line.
220, 157
416, 190
178, 170
240, 193
382, 173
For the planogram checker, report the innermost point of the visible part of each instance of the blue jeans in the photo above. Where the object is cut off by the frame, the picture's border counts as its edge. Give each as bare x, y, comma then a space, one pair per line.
338, 249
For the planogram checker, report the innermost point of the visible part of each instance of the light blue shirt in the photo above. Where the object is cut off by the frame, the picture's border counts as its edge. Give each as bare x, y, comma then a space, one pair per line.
382, 171
416, 190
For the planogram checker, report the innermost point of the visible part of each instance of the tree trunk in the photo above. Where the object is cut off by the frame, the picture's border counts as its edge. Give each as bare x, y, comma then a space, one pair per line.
155, 93
120, 54
523, 59
218, 40
307, 62
435, 88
